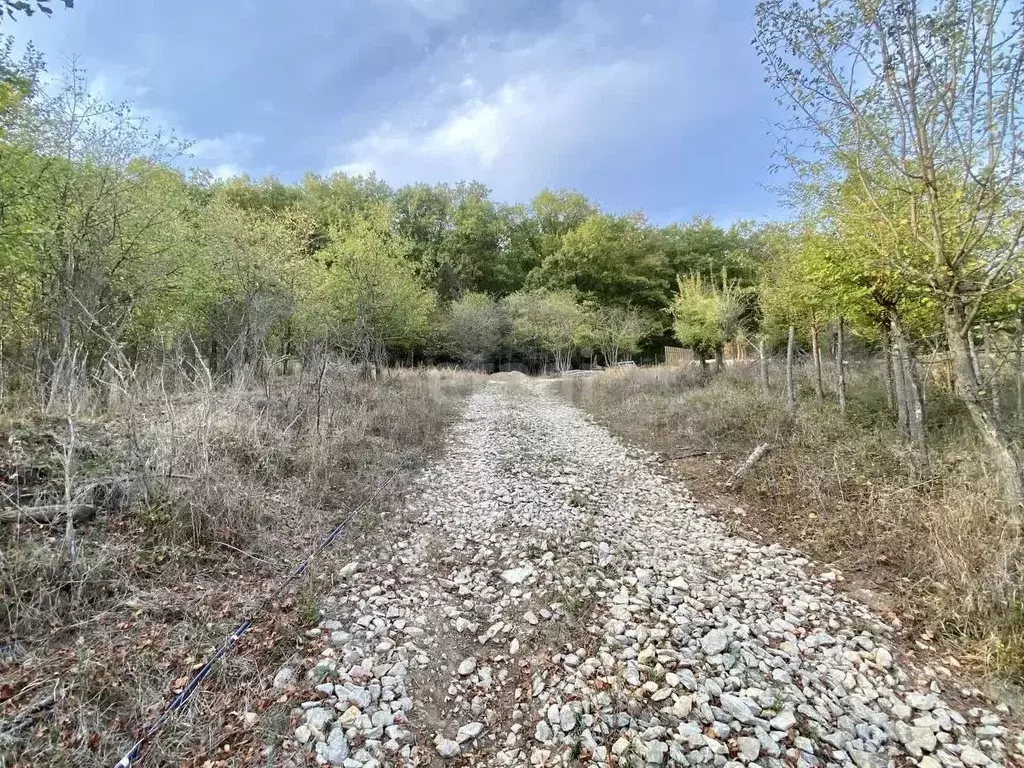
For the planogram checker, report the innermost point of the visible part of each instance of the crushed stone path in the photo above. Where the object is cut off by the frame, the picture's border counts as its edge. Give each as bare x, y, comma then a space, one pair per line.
547, 598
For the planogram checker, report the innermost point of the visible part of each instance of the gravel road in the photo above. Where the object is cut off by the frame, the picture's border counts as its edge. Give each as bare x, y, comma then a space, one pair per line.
547, 598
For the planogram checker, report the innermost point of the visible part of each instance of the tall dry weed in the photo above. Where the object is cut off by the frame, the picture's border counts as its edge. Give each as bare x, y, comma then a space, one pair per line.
226, 486
931, 529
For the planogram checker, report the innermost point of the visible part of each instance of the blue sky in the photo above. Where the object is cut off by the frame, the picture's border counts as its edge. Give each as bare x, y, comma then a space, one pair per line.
656, 105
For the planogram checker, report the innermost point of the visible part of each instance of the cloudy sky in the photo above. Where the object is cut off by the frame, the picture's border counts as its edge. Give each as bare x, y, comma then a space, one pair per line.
656, 105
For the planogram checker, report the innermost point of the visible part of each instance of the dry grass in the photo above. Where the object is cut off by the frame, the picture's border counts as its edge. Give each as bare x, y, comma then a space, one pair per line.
227, 488
930, 531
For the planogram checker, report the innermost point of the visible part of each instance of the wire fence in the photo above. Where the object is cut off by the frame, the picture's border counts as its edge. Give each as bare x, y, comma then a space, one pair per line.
135, 754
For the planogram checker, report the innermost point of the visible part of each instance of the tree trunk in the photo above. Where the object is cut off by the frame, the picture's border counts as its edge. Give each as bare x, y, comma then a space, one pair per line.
972, 350
841, 363
970, 392
214, 354
762, 361
899, 381
913, 400
752, 460
1019, 368
719, 360
993, 377
887, 369
49, 514
790, 386
819, 386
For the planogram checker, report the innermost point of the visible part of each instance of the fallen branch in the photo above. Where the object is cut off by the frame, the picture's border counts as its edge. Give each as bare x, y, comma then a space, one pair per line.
752, 459
49, 514
9, 727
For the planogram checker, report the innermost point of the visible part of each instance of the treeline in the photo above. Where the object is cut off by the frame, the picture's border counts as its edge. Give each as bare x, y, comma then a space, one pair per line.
906, 136
110, 255
908, 238
905, 132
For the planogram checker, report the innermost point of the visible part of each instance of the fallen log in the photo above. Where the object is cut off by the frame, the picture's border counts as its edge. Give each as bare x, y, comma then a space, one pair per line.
49, 514
752, 459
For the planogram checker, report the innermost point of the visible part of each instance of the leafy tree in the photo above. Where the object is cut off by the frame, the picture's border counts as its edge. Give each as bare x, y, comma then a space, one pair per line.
476, 323
558, 213
424, 217
920, 102
703, 248
335, 202
461, 241
471, 243
705, 316
506, 271
617, 331
374, 301
608, 259
549, 322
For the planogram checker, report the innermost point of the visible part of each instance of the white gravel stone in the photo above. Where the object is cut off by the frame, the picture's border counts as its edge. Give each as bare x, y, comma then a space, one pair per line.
447, 748
971, 756
517, 575
550, 590
715, 641
749, 748
284, 676
469, 731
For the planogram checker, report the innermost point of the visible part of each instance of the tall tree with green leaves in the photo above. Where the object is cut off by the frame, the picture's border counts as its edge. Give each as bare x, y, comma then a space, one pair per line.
552, 322
609, 260
706, 315
920, 100
617, 331
476, 322
374, 300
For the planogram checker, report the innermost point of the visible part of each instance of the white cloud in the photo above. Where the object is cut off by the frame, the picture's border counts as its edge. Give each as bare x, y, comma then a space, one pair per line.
509, 137
356, 168
514, 111
225, 156
115, 83
514, 137
230, 145
225, 171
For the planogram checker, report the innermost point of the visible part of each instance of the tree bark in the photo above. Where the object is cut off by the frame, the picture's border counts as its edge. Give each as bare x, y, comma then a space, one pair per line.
50, 514
899, 381
762, 361
841, 363
757, 454
790, 385
972, 350
1019, 368
286, 364
719, 360
970, 392
887, 369
819, 386
993, 377
912, 386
